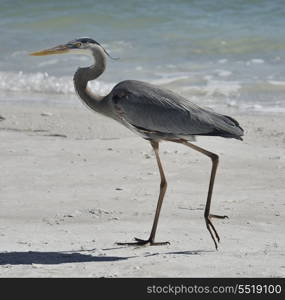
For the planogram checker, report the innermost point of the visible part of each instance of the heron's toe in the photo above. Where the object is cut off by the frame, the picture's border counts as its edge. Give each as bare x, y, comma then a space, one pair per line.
218, 216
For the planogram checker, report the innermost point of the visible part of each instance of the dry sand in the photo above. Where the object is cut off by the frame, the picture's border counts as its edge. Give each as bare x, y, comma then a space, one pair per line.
73, 183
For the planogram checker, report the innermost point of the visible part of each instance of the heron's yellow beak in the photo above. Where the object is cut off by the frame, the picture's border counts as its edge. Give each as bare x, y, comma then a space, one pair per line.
55, 50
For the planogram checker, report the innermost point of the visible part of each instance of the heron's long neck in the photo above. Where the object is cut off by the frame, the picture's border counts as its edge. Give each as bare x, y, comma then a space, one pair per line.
83, 75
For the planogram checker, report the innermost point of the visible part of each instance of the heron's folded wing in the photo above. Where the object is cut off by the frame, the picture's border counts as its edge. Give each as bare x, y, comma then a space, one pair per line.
154, 109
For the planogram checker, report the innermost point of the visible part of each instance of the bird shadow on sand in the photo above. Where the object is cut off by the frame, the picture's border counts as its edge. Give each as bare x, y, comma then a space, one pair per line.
52, 258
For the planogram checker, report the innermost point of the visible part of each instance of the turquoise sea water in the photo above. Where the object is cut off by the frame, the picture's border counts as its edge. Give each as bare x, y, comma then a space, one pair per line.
228, 54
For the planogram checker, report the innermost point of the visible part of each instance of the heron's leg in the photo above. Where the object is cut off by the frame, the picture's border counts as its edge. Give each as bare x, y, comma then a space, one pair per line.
163, 186
215, 160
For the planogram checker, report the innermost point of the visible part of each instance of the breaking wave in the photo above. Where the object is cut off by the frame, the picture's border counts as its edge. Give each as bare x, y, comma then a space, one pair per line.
44, 83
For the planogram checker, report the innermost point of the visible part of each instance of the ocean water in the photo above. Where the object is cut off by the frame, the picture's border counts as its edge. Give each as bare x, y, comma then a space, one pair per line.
228, 55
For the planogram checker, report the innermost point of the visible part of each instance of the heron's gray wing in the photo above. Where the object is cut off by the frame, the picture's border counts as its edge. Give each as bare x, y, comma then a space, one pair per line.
149, 107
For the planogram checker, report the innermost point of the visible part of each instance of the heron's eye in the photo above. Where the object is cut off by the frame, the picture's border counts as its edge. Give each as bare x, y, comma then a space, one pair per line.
78, 44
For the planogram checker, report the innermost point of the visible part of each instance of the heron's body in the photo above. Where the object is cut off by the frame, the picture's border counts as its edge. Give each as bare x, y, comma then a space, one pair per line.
154, 113
159, 114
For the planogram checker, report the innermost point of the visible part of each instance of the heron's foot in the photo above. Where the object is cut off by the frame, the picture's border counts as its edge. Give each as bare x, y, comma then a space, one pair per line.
217, 216
212, 230
140, 242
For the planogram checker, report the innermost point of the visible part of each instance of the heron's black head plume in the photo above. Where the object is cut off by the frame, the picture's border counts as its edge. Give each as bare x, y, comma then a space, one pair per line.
84, 42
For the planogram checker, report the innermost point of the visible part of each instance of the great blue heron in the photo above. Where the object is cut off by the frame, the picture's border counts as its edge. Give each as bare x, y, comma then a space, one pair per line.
155, 114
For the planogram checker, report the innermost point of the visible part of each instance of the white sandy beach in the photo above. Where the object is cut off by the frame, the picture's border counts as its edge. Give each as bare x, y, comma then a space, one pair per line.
73, 183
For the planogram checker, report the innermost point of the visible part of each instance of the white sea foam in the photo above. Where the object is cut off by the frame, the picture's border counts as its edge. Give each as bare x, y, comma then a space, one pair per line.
43, 83
232, 103
222, 61
208, 77
257, 61
223, 88
223, 73
167, 80
275, 82
261, 108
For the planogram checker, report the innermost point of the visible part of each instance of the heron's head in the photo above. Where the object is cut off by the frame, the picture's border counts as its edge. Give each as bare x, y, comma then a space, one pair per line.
78, 46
